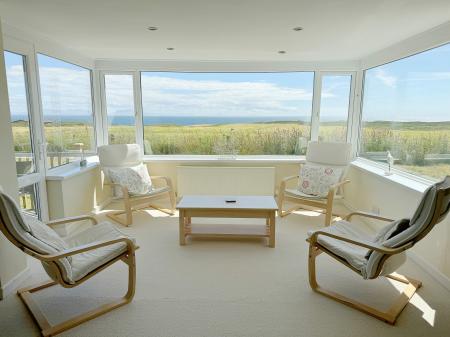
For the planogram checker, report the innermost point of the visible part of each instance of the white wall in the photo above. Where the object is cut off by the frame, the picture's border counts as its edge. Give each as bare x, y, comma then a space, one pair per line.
395, 201
12, 260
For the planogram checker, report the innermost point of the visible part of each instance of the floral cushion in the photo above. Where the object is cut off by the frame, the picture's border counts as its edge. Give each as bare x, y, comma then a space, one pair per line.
135, 178
316, 180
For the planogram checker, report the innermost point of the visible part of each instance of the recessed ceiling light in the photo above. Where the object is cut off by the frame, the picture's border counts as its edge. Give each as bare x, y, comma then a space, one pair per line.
282, 52
297, 29
152, 28
170, 48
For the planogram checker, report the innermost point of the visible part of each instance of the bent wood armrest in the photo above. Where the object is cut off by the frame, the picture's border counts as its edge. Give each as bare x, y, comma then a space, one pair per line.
362, 243
167, 179
333, 188
285, 180
124, 188
81, 249
72, 219
367, 215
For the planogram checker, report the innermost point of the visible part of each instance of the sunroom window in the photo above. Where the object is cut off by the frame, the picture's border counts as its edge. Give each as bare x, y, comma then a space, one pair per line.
226, 113
66, 97
406, 111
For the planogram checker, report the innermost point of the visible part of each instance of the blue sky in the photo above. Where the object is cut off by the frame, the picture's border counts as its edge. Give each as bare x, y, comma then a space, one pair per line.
416, 88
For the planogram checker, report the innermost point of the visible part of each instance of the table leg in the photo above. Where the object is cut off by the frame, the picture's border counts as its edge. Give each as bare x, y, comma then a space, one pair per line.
272, 229
182, 224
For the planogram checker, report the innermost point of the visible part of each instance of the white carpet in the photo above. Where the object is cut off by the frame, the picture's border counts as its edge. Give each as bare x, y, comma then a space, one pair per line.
230, 288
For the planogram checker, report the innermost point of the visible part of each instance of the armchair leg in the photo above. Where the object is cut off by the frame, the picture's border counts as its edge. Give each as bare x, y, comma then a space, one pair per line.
390, 316
51, 330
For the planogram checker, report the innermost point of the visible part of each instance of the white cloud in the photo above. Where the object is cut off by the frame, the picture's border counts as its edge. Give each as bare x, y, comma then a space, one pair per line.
172, 96
388, 80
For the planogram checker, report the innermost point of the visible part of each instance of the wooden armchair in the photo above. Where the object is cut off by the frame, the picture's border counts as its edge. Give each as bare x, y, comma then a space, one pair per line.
332, 155
120, 156
66, 261
382, 255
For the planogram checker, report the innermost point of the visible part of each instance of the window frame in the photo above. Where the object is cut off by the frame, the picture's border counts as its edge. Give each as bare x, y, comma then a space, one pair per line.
94, 119
315, 85
403, 173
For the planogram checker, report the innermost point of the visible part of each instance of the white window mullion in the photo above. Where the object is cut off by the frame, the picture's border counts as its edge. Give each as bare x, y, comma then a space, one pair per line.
137, 89
355, 132
317, 93
99, 115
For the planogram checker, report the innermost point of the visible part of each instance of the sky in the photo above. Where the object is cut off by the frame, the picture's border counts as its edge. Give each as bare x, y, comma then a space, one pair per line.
416, 88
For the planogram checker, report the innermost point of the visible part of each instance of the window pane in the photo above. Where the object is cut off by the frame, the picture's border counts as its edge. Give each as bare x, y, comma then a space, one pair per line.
28, 199
120, 109
67, 110
334, 105
20, 115
407, 112
227, 113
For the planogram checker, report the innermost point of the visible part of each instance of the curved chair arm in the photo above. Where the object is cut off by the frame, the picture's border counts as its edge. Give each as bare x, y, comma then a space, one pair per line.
124, 188
333, 188
72, 219
285, 180
166, 179
80, 249
367, 215
366, 244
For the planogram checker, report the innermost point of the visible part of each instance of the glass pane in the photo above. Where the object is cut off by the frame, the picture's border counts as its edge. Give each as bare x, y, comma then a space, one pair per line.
28, 199
67, 110
227, 113
334, 105
407, 111
120, 109
20, 115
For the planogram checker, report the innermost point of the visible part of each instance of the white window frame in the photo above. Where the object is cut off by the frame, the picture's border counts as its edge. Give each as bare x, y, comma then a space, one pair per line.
137, 104
315, 120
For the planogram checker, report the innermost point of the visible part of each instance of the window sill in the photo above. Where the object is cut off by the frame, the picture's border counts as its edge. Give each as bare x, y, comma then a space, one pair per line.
398, 177
223, 159
70, 170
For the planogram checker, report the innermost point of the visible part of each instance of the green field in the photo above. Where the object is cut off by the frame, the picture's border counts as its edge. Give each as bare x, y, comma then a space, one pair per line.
418, 147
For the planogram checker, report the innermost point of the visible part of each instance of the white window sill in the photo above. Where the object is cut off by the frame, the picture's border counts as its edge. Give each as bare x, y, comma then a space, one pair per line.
399, 177
224, 159
70, 170
73, 169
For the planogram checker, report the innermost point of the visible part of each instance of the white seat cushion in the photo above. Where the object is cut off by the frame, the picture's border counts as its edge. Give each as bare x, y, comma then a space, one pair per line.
297, 194
354, 255
154, 191
82, 264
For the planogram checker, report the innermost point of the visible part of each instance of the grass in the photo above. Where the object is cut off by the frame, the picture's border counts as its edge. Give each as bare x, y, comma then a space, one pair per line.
410, 143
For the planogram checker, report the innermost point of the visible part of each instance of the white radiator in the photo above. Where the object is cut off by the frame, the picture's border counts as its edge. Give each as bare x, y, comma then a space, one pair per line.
201, 180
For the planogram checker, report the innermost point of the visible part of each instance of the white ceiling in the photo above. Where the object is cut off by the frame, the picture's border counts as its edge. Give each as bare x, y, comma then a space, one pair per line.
334, 30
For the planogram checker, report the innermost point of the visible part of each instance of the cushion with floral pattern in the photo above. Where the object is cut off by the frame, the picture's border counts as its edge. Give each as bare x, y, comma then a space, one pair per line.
316, 180
135, 178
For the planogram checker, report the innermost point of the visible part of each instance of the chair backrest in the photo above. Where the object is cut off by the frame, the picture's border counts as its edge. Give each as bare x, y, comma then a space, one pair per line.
33, 237
120, 155
327, 153
432, 209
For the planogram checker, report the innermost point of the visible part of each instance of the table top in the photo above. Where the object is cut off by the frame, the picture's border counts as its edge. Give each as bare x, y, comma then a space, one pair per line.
254, 202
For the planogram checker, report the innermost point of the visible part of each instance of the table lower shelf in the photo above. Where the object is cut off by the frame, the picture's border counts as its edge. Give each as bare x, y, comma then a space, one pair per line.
227, 230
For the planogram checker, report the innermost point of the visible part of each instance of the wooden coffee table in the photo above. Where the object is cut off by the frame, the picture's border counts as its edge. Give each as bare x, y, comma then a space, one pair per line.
262, 207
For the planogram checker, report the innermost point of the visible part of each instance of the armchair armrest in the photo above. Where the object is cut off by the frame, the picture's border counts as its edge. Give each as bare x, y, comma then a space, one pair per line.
72, 219
166, 179
367, 215
362, 243
124, 188
285, 180
80, 249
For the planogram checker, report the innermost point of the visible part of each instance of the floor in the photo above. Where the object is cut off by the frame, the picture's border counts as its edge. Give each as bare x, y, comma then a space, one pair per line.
231, 288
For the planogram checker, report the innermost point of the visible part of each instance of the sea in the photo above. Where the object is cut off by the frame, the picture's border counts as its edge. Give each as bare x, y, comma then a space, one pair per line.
170, 120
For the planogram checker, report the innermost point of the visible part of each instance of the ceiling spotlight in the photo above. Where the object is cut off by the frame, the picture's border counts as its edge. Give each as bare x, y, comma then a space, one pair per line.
282, 52
170, 48
297, 29
152, 28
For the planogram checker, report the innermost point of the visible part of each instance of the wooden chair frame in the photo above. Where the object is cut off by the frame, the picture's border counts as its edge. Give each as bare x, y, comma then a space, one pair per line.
389, 316
325, 204
25, 294
130, 201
